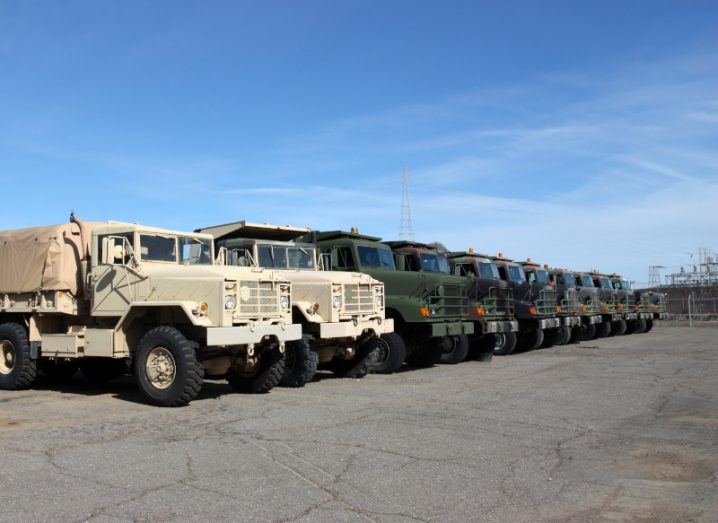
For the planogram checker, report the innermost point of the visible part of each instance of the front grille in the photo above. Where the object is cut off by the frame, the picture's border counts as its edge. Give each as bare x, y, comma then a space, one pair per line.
358, 299
644, 303
613, 304
499, 302
449, 300
258, 298
592, 305
546, 303
630, 302
570, 302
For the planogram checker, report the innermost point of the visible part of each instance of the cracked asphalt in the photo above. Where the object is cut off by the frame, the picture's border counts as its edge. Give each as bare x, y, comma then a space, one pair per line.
617, 429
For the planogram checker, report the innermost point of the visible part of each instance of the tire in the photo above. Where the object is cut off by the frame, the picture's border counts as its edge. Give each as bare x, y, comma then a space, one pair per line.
531, 340
17, 370
358, 366
161, 351
300, 363
429, 354
649, 325
58, 370
641, 327
267, 376
631, 327
505, 343
102, 370
588, 332
549, 337
575, 335
603, 329
389, 354
563, 335
618, 328
456, 350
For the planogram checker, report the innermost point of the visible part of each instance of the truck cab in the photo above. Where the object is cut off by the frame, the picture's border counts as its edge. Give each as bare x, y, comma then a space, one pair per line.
341, 313
578, 297
492, 306
610, 305
638, 318
429, 307
535, 304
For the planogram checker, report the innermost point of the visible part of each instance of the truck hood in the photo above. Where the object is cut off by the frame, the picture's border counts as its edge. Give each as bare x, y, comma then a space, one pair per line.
194, 272
307, 277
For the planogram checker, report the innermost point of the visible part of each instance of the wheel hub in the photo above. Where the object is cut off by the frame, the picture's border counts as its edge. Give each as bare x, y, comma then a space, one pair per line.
381, 353
500, 340
161, 368
7, 357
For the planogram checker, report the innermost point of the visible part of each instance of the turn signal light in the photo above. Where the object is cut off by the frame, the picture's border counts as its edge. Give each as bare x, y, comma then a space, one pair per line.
424, 312
480, 311
605, 308
620, 308
532, 310
558, 309
584, 309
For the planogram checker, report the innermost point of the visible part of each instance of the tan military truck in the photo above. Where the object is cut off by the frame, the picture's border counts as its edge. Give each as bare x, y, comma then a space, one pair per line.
107, 297
342, 313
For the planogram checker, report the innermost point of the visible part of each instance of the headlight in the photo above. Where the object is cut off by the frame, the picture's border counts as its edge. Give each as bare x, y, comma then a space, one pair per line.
433, 312
379, 300
337, 302
230, 303
284, 302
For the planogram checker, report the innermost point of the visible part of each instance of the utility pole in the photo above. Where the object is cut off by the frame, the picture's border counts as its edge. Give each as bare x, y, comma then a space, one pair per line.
406, 223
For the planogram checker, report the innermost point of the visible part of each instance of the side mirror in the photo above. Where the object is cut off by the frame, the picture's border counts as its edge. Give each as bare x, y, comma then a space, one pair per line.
222, 256
108, 251
400, 262
118, 254
325, 261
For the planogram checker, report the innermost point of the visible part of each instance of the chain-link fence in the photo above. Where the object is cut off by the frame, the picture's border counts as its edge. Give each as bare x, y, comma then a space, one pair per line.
691, 308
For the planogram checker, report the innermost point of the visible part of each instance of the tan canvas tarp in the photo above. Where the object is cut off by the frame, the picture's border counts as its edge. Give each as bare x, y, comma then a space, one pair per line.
41, 258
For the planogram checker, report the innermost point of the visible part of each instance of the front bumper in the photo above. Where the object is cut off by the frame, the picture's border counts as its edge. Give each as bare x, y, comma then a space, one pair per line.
354, 329
570, 321
661, 316
455, 328
492, 327
612, 317
645, 315
592, 320
630, 316
549, 323
219, 336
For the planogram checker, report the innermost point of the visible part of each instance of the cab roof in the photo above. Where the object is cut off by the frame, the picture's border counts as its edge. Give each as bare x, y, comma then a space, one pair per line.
255, 231
467, 254
335, 235
406, 244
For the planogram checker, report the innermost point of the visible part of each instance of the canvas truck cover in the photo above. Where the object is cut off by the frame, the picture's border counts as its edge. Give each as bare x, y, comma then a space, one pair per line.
41, 258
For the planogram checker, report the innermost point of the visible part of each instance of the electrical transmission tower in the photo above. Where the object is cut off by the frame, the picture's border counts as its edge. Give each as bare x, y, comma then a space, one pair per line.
406, 224
654, 275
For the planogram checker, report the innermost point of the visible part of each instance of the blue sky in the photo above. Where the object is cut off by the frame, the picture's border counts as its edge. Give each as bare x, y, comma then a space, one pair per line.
580, 134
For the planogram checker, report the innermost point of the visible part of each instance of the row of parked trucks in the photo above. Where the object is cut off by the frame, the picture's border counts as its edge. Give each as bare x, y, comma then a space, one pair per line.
262, 305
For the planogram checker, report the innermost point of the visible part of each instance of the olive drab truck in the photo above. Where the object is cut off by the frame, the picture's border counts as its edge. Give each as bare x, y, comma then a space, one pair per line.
429, 309
577, 301
535, 305
641, 303
492, 304
612, 307
341, 313
111, 297
546, 299
590, 296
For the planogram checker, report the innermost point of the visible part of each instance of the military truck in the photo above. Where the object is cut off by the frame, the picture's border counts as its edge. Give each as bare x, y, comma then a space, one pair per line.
547, 297
107, 297
492, 305
611, 306
639, 303
535, 306
577, 300
595, 306
341, 313
429, 309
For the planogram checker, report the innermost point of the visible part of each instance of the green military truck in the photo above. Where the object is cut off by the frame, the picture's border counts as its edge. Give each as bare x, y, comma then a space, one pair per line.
107, 297
341, 313
535, 306
578, 300
610, 306
429, 309
492, 305
546, 298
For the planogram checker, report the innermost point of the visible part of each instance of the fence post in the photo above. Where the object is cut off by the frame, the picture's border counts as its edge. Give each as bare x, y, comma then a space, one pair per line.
690, 298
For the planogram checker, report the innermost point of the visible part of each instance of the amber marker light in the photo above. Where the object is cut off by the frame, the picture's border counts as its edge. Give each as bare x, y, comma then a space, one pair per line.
480, 311
532, 311
424, 312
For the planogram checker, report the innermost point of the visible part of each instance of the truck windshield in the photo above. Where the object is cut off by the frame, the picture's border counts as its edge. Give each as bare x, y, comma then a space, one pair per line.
194, 251
625, 285
586, 281
158, 248
606, 283
285, 257
542, 276
569, 279
434, 263
516, 273
375, 258
488, 271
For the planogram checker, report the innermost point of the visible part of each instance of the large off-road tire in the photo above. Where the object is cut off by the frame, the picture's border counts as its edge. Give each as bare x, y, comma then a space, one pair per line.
631, 326
588, 332
550, 336
649, 325
17, 370
562, 336
58, 370
358, 366
603, 329
167, 368
640, 327
300, 363
267, 374
102, 370
456, 350
531, 339
576, 335
504, 343
389, 354
429, 354
618, 328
